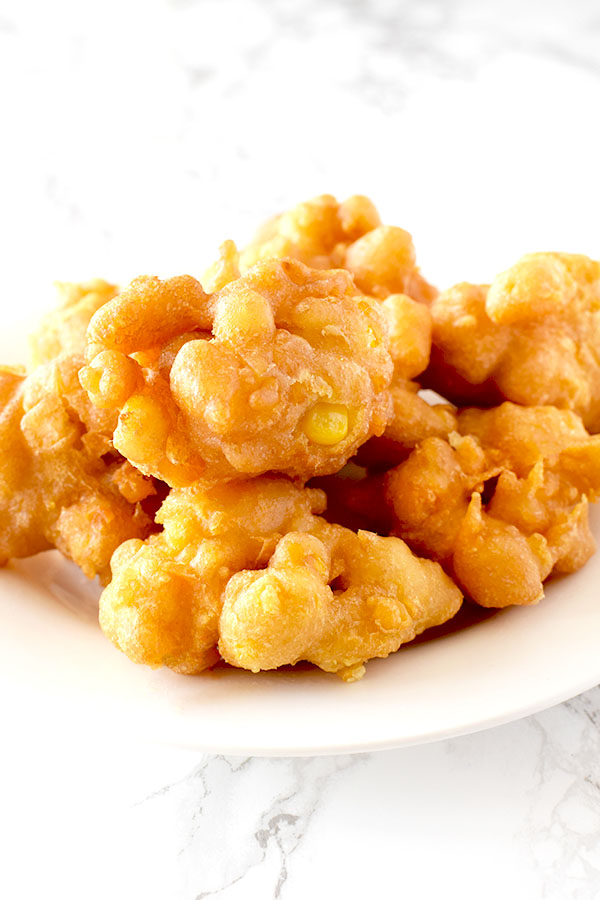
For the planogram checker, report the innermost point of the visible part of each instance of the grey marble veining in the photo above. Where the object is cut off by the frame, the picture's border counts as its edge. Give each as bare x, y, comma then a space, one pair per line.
514, 811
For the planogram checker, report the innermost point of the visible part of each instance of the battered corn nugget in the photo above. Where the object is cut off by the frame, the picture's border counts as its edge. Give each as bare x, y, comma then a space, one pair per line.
63, 329
533, 337
200, 589
350, 495
61, 484
317, 232
286, 368
413, 418
326, 234
355, 494
336, 599
502, 505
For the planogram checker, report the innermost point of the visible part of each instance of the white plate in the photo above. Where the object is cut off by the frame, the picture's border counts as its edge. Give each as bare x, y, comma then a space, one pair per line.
59, 672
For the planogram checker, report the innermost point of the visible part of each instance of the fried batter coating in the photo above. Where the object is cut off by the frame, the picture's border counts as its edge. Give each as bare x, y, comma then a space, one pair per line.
503, 504
61, 484
225, 269
317, 232
384, 596
532, 337
63, 330
326, 234
413, 419
200, 589
286, 368
298, 354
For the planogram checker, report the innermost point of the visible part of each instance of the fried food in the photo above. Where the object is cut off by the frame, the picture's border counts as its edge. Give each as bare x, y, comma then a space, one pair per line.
284, 369
63, 330
61, 484
503, 504
200, 589
326, 234
532, 337
413, 419
280, 405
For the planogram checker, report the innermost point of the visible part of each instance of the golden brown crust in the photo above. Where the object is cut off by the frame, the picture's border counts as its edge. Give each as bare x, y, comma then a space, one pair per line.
63, 329
317, 232
328, 595
532, 337
61, 484
293, 356
504, 503
326, 234
286, 368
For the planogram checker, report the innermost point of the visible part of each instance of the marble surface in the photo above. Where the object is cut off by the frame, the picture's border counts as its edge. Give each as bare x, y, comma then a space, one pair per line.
136, 136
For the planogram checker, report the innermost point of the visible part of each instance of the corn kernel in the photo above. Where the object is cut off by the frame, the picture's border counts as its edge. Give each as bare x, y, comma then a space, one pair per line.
243, 316
388, 616
264, 397
143, 429
110, 379
89, 378
326, 423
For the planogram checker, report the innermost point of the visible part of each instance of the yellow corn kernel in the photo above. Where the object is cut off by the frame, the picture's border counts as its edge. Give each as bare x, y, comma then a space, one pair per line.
243, 315
89, 378
143, 429
352, 673
110, 379
326, 423
358, 215
266, 396
389, 616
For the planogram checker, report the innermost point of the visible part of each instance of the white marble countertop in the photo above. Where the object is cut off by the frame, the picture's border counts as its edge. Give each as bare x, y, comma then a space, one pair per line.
510, 812
137, 135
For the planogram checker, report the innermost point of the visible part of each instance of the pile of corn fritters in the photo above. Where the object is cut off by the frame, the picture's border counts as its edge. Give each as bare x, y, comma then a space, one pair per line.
250, 466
